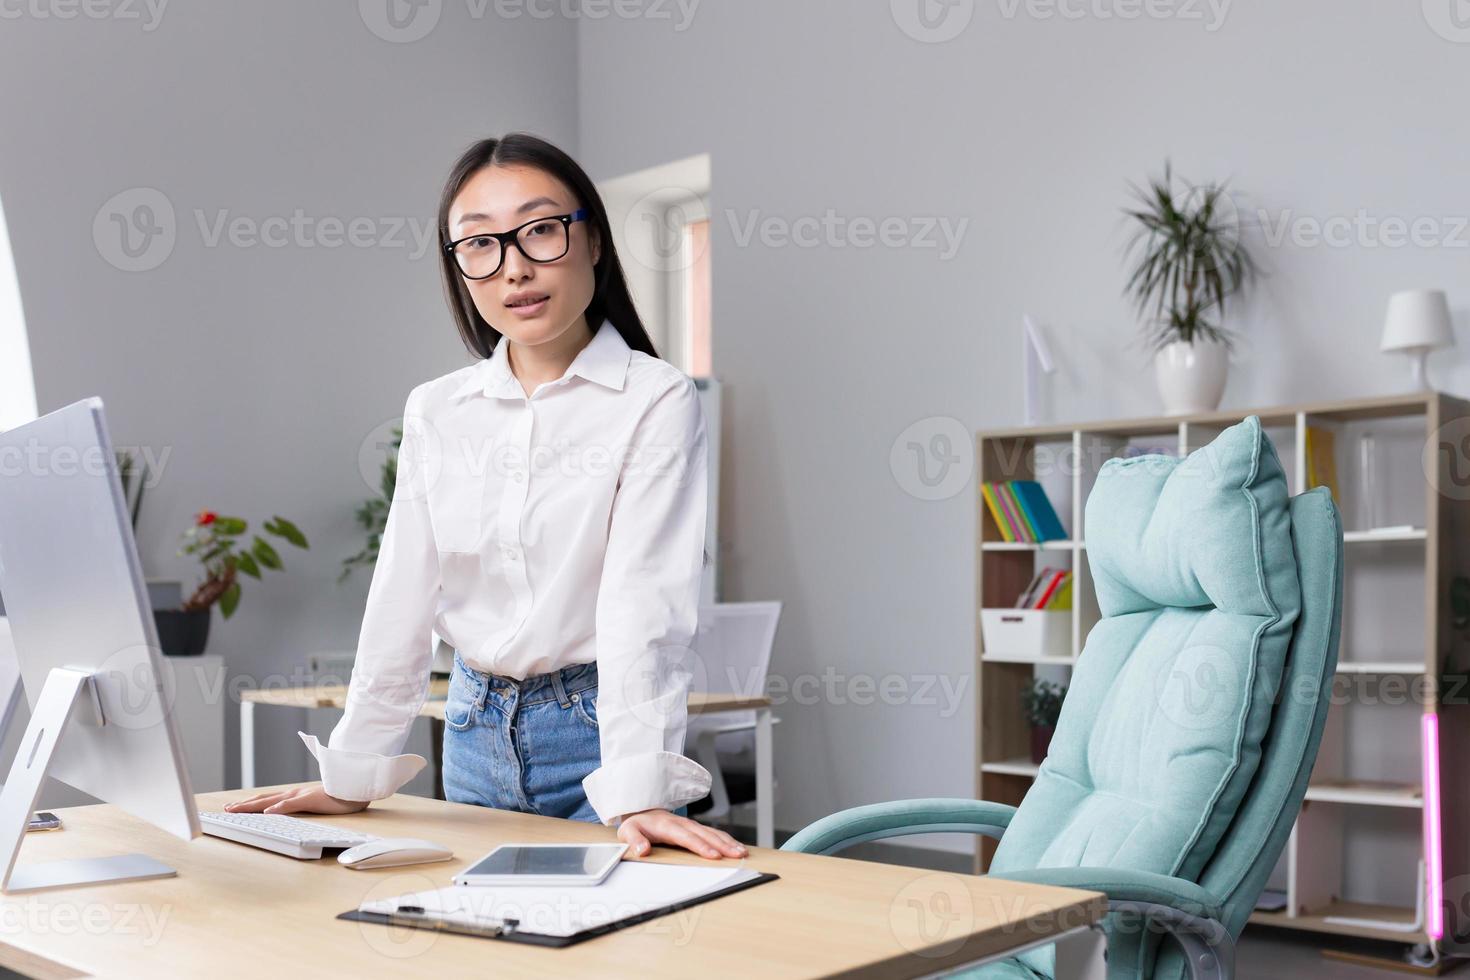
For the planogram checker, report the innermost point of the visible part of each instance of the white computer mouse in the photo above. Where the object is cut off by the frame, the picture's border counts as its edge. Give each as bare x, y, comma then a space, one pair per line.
390, 852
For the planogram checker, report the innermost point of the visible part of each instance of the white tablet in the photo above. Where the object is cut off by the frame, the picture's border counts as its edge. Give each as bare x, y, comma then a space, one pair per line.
543, 864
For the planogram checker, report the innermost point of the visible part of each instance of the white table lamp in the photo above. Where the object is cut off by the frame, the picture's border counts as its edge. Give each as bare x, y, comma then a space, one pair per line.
1418, 322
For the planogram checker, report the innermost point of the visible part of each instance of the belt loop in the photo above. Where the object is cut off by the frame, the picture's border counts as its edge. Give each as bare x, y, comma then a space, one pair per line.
560, 689
482, 680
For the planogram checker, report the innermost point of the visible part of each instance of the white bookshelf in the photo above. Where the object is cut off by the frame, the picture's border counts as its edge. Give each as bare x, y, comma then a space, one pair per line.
1396, 634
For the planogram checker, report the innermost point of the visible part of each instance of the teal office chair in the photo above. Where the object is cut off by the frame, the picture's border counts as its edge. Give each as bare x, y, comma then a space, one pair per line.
1193, 718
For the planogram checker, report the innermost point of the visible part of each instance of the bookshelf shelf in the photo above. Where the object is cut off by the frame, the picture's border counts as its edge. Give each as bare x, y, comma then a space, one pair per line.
999, 657
1366, 793
1365, 806
1380, 667
1318, 921
1383, 537
1032, 546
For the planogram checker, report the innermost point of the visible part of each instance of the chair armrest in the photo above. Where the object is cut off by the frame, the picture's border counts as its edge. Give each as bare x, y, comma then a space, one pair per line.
1191, 914
899, 819
1126, 885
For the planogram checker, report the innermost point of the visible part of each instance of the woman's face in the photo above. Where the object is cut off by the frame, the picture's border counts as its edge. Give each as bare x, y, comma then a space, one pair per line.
499, 199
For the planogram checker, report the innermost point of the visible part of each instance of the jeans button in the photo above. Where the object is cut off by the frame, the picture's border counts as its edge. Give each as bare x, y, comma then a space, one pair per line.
576, 698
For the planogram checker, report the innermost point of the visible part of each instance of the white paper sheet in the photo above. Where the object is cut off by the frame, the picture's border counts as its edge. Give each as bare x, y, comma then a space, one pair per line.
564, 910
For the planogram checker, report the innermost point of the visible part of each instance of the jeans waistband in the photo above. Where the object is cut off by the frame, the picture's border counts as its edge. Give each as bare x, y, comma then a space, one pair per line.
557, 685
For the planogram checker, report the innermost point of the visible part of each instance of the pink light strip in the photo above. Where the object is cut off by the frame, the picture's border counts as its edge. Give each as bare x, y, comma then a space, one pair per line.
1433, 844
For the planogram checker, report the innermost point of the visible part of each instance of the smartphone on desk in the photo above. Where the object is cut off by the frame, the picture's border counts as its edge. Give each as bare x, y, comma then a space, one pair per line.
44, 821
543, 864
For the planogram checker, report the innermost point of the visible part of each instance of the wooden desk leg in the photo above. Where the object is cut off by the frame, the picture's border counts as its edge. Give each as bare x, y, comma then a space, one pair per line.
765, 803
247, 744
436, 735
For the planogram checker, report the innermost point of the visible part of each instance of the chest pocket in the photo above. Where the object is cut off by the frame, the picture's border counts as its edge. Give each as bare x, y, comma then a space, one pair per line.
457, 503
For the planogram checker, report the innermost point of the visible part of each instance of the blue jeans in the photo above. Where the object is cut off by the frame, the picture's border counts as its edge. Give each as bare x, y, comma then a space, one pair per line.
522, 745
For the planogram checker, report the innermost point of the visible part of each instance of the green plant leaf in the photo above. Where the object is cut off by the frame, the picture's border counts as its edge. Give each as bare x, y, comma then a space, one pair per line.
284, 528
228, 525
245, 562
229, 599
265, 553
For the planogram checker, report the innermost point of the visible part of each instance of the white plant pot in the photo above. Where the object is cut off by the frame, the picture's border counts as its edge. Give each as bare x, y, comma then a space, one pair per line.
1191, 377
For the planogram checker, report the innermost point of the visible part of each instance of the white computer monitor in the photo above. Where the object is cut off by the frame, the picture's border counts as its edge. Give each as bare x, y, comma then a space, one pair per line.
85, 641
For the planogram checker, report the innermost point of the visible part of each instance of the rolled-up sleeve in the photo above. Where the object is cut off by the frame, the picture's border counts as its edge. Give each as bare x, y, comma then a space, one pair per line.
647, 613
390, 675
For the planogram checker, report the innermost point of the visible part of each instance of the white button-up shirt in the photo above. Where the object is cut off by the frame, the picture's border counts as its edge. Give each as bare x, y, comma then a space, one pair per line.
533, 533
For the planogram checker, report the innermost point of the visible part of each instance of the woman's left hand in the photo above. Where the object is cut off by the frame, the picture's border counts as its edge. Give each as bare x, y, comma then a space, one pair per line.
647, 827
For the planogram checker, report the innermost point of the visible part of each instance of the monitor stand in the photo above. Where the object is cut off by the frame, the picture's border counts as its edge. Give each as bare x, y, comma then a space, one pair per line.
69, 696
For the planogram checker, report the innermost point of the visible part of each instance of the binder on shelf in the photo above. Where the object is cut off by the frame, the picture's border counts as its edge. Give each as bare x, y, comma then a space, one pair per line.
1043, 516
1013, 513
1022, 511
1044, 600
992, 504
1029, 594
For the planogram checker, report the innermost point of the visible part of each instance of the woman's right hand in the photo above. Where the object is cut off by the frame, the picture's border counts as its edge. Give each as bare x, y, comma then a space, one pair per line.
300, 799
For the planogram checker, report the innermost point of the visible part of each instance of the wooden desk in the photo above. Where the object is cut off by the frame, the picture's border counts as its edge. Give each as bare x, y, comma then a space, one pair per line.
335, 696
236, 911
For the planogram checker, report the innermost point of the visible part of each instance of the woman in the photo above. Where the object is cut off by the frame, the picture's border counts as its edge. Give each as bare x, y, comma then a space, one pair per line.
548, 521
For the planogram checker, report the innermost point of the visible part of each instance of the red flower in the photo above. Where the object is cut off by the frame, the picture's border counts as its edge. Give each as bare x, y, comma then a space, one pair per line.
206, 517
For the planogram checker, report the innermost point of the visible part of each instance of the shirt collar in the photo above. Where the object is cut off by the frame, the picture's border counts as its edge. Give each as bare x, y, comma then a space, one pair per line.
604, 360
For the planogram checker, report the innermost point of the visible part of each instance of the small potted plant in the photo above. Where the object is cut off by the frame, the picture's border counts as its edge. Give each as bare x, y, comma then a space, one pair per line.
1041, 702
216, 539
1190, 260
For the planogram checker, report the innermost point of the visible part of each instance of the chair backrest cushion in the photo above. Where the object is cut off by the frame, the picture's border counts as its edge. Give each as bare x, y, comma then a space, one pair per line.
1162, 728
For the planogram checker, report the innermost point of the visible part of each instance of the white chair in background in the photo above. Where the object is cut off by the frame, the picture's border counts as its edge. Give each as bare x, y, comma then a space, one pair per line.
733, 646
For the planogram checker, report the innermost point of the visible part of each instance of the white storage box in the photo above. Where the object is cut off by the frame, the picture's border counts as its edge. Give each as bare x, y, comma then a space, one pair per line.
1026, 634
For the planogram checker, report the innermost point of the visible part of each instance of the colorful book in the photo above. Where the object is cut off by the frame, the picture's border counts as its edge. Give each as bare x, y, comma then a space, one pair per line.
1061, 599
1051, 587
1007, 513
1039, 511
1038, 582
992, 504
1018, 517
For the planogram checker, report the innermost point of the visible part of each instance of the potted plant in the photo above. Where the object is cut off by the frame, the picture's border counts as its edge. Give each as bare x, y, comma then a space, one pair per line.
216, 540
372, 514
1041, 701
1189, 261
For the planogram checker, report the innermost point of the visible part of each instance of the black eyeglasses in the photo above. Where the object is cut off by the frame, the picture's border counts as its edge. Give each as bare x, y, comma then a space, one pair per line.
547, 239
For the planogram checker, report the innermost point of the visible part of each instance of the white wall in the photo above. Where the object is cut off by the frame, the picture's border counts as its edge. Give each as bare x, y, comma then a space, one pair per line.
260, 370
1027, 128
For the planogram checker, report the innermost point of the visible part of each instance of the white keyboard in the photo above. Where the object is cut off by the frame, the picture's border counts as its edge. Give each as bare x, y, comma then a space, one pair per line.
290, 836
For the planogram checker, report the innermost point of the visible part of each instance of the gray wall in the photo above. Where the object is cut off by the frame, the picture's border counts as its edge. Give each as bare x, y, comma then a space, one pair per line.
259, 369
262, 369
1027, 127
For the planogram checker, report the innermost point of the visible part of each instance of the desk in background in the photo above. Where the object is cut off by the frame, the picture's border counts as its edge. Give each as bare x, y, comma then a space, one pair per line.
236, 911
335, 696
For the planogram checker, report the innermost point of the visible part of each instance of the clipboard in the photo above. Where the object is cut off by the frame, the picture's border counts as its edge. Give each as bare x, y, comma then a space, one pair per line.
508, 932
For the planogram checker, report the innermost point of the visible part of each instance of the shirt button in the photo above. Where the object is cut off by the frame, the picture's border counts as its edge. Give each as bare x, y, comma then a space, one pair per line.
518, 476
509, 553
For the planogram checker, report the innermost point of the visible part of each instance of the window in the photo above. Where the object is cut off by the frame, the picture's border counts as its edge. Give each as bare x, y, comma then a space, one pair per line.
690, 298
660, 223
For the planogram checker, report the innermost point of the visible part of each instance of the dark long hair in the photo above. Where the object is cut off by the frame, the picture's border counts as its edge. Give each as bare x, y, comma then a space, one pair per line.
610, 297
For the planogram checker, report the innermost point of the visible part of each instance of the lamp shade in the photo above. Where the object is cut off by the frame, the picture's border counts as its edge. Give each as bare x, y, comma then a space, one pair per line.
1417, 319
